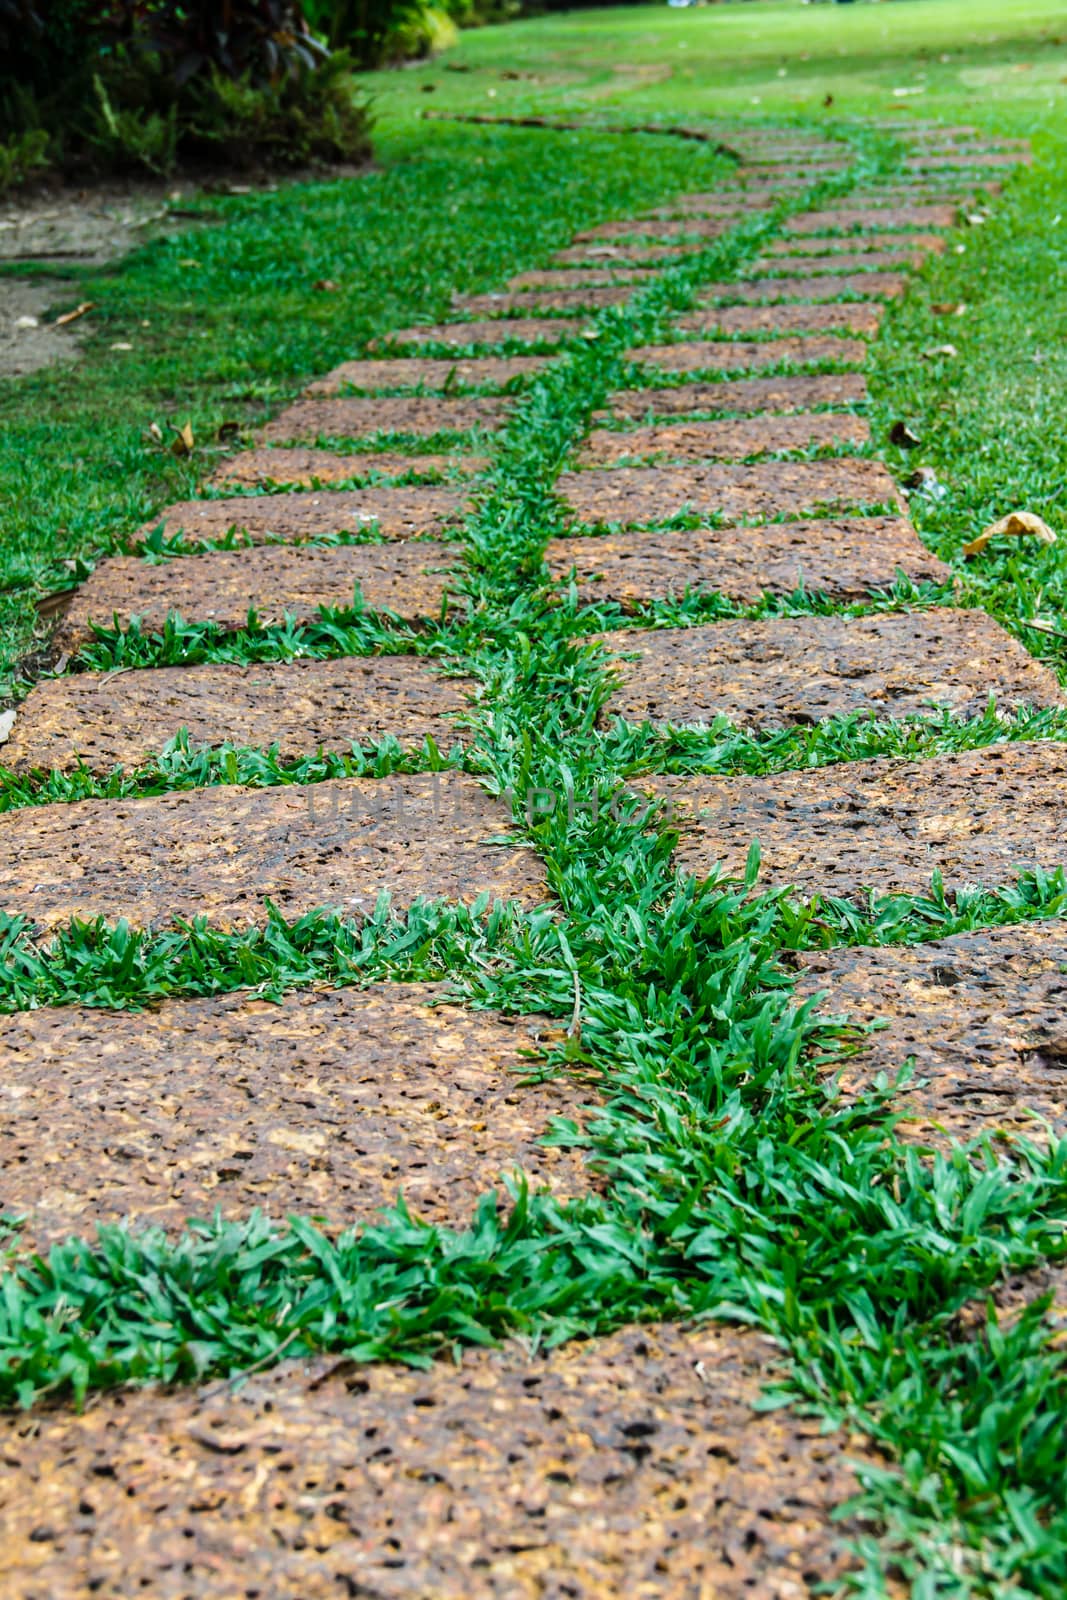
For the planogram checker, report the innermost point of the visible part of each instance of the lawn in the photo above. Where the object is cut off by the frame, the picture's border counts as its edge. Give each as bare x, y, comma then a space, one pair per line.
736, 1184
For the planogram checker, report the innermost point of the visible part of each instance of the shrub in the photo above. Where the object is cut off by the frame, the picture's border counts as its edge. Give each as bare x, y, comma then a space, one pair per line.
151, 84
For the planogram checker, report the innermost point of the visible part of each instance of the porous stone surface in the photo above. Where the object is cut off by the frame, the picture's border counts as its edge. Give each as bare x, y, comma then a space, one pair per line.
221, 853
856, 266
870, 244
736, 355
843, 557
103, 719
519, 302
738, 394
853, 219
981, 1016
983, 817
362, 416
274, 581
395, 512
330, 1104
428, 373
623, 1466
683, 227
579, 277
637, 254
854, 318
730, 440
828, 286
785, 670
501, 330
635, 495
305, 466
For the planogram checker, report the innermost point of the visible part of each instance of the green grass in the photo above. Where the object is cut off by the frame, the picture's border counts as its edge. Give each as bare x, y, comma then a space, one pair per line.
737, 1183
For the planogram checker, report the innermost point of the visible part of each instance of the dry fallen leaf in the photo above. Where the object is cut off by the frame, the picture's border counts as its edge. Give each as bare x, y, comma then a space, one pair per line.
326, 285
946, 350
7, 722
1015, 525
72, 316
901, 434
949, 308
182, 445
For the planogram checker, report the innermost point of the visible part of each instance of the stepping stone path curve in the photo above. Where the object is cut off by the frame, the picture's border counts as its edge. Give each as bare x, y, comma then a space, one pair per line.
730, 457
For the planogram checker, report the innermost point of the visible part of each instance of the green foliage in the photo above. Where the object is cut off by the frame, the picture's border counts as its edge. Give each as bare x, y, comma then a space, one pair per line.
128, 85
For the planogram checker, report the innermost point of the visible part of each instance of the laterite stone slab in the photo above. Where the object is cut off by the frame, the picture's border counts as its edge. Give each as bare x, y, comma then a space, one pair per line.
634, 495
327, 1104
739, 394
871, 285
519, 302
304, 466
607, 1469
953, 163
867, 245
888, 825
691, 227
300, 706
983, 1014
787, 670
501, 330
842, 557
698, 441
856, 267
863, 319
730, 201
274, 581
395, 511
851, 219
705, 355
220, 853
578, 277
361, 416
639, 254
428, 373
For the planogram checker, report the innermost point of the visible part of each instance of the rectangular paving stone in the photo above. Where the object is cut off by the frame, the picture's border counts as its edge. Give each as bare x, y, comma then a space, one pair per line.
843, 557
430, 373
862, 264
579, 277
357, 416
644, 1463
735, 355
725, 441
981, 1015
871, 285
327, 1104
887, 825
413, 580
863, 319
682, 227
851, 219
953, 162
787, 670
220, 853
731, 200
739, 394
519, 302
869, 244
395, 511
493, 331
634, 495
104, 719
641, 254
304, 466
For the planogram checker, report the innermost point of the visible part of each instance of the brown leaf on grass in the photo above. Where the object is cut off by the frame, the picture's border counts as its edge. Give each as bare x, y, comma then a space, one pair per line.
946, 350
949, 308
72, 316
1015, 525
325, 285
900, 434
182, 444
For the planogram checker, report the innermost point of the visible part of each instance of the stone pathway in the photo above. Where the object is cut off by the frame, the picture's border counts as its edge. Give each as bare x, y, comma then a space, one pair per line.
633, 1464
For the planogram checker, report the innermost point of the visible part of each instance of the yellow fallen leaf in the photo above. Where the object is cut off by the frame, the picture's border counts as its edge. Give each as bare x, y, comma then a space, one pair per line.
183, 440
72, 316
1015, 525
